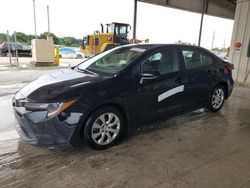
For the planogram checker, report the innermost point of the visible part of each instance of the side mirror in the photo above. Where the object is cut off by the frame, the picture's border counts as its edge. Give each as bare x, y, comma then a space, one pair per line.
149, 75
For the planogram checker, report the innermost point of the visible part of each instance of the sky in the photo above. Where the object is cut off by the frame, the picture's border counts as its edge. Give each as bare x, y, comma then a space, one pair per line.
81, 17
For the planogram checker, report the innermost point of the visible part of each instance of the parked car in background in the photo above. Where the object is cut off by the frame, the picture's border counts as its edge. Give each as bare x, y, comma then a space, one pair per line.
70, 53
22, 50
118, 90
222, 55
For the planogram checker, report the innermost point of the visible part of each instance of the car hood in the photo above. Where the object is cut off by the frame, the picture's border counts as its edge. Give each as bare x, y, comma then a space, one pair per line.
58, 86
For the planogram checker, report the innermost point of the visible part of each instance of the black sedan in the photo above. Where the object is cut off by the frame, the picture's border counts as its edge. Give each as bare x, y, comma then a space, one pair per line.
99, 100
21, 49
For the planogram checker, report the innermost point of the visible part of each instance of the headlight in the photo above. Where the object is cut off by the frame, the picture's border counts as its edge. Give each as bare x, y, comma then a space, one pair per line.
54, 109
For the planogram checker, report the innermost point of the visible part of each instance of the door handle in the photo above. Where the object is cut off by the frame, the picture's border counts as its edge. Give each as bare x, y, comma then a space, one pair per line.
181, 80
210, 72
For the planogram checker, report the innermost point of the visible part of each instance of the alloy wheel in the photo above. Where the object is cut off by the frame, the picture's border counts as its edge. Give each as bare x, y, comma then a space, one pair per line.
218, 98
105, 128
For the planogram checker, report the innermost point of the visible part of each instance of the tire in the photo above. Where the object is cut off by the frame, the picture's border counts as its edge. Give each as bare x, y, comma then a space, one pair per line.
79, 56
216, 99
98, 133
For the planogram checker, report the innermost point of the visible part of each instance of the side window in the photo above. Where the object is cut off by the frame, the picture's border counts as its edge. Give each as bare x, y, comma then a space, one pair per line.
163, 62
195, 59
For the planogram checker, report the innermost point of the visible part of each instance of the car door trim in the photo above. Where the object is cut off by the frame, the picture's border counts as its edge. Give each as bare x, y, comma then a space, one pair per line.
170, 93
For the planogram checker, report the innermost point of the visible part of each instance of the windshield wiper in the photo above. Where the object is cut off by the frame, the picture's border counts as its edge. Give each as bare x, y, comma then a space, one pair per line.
87, 71
102, 73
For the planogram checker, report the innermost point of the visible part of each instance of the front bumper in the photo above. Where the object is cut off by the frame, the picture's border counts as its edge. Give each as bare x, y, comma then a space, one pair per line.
48, 132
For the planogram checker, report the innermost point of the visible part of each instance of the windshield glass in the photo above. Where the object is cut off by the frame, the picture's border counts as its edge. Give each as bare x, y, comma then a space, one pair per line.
110, 28
112, 61
121, 30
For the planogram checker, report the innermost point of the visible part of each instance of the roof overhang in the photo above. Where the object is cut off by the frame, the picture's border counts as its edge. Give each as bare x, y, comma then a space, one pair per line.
219, 8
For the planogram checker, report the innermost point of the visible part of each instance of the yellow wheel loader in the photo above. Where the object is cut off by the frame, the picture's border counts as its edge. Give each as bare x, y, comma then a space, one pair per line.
116, 34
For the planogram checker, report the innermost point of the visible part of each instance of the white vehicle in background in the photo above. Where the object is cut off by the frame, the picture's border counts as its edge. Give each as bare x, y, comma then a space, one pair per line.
70, 53
222, 55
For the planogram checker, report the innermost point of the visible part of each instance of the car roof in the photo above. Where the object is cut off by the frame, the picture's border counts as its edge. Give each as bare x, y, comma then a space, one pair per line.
150, 46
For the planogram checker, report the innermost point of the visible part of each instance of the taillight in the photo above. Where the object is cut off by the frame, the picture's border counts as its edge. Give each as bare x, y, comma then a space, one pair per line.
230, 67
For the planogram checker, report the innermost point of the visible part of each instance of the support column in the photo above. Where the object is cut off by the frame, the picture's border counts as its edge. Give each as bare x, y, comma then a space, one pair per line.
240, 43
135, 20
34, 9
48, 19
201, 24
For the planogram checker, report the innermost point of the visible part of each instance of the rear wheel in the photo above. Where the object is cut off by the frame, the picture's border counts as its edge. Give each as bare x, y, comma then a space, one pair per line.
103, 128
217, 99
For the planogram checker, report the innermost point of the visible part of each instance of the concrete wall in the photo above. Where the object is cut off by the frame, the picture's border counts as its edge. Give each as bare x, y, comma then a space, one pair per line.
241, 33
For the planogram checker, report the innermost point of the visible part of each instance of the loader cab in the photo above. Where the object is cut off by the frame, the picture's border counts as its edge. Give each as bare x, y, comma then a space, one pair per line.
120, 31
85, 41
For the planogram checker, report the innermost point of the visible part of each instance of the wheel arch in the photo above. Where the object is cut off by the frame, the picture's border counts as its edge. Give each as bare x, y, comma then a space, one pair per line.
109, 104
225, 85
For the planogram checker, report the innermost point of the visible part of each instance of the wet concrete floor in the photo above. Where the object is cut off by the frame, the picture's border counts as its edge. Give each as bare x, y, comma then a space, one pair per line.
199, 149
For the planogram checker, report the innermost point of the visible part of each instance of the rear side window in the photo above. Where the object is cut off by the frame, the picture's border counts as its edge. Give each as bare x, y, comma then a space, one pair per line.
194, 58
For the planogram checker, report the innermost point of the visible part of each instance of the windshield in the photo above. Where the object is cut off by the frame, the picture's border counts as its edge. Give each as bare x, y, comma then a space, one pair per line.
121, 30
110, 28
112, 61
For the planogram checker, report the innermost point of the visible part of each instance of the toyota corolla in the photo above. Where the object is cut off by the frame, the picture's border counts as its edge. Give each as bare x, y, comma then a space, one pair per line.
110, 94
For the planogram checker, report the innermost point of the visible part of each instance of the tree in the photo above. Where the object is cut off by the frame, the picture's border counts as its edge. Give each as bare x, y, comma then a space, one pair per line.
21, 38
30, 37
26, 39
70, 41
56, 39
3, 37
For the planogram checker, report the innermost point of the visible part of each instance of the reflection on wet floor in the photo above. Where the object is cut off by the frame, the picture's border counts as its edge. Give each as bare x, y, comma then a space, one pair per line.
199, 149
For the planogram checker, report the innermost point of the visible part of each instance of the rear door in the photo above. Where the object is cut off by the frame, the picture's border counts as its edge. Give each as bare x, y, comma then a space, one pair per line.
200, 69
163, 94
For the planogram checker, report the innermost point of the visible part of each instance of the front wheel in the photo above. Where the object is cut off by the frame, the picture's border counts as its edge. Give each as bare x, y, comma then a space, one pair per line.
103, 128
217, 99
79, 56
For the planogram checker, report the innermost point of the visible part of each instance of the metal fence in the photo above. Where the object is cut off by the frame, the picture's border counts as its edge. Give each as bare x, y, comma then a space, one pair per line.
12, 60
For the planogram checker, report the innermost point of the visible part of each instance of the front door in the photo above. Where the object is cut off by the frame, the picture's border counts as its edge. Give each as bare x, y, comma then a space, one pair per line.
161, 94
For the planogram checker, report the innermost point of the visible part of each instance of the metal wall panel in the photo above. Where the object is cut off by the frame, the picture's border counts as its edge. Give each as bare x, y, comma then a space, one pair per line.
220, 8
241, 33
